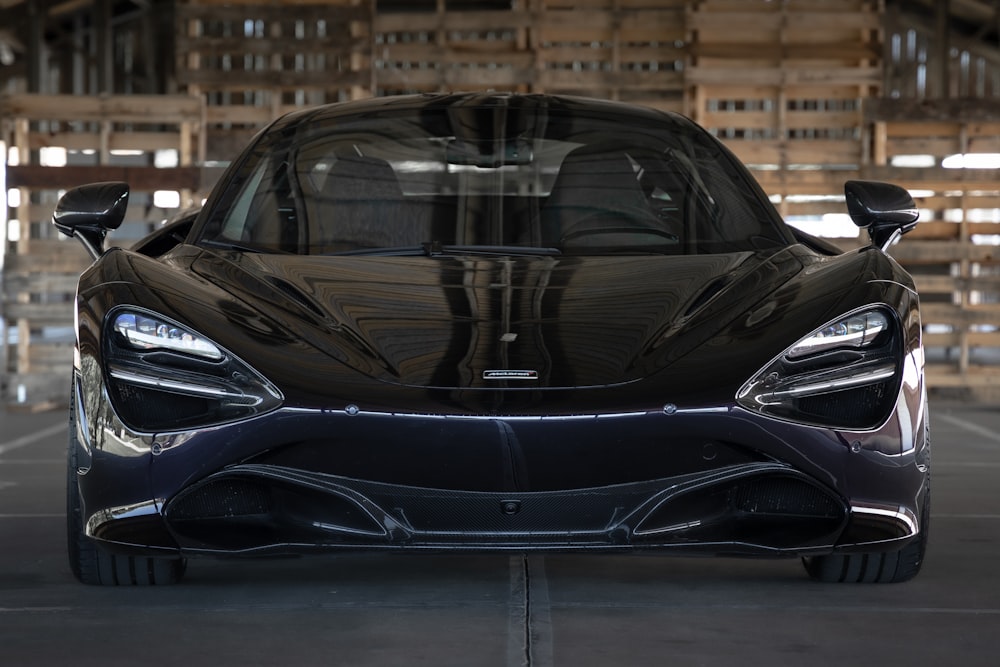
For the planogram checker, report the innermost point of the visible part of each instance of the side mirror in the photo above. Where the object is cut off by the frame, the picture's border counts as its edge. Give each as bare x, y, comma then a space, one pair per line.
887, 211
88, 212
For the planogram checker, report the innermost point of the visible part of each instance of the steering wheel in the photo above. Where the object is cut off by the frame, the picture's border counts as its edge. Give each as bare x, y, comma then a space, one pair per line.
599, 223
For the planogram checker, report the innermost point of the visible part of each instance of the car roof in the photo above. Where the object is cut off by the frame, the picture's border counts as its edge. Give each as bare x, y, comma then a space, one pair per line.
523, 101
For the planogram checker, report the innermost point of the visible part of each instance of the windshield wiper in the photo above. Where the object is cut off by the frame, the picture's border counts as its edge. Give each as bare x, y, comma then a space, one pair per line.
434, 248
398, 251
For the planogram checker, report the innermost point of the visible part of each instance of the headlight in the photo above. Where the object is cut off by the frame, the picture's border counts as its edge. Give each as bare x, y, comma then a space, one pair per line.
149, 333
163, 376
844, 374
854, 332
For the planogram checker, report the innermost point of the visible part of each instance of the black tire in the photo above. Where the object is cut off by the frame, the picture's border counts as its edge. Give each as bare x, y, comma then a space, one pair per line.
89, 562
882, 568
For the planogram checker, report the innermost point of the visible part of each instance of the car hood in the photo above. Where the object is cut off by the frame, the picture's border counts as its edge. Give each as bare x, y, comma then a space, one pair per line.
468, 322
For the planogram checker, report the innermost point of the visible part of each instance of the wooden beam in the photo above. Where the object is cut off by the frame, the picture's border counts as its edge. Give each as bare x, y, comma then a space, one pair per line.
955, 110
146, 179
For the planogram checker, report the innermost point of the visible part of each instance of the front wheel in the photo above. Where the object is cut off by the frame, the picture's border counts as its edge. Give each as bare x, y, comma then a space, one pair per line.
89, 562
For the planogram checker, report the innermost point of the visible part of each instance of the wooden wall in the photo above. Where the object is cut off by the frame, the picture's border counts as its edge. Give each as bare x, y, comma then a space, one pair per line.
105, 138
797, 88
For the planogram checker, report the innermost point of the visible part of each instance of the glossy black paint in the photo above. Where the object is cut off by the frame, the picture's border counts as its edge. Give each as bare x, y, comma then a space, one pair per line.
391, 434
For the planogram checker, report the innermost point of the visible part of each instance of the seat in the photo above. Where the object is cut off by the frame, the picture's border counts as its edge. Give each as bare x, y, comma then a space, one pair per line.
362, 206
597, 190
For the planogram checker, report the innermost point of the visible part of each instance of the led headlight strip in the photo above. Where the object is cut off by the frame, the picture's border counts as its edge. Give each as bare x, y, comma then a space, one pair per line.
145, 332
852, 332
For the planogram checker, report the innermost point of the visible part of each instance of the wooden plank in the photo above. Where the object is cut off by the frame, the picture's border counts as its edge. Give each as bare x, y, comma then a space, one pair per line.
594, 80
53, 255
768, 49
745, 22
985, 180
241, 114
238, 12
964, 317
918, 111
51, 357
958, 338
779, 76
951, 284
235, 80
926, 252
804, 152
486, 54
40, 283
138, 178
167, 109
332, 46
146, 142
936, 230
40, 313
940, 376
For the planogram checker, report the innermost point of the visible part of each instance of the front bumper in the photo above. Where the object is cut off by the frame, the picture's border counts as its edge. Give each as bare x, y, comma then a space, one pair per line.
713, 481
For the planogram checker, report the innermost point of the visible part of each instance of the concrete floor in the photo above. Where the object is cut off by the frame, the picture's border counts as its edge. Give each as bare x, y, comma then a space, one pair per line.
502, 610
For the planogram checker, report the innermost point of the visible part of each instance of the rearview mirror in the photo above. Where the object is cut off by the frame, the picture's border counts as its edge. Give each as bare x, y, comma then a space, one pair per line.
88, 212
887, 211
489, 154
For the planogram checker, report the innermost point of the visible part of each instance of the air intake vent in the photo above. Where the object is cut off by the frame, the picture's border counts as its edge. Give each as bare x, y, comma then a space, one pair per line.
221, 499
783, 496
862, 405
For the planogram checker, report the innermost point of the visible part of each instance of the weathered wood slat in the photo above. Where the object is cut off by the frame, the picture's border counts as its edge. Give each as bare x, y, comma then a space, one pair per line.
768, 20
770, 50
956, 338
139, 178
170, 109
124, 140
804, 152
940, 376
929, 252
44, 283
52, 255
339, 44
779, 76
237, 12
963, 316
931, 284
51, 314
252, 79
948, 111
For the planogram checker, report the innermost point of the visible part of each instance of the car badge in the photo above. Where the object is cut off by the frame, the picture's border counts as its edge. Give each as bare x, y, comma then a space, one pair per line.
510, 375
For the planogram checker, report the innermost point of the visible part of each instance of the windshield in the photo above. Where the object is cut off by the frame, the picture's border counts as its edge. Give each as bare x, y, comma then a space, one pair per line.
439, 178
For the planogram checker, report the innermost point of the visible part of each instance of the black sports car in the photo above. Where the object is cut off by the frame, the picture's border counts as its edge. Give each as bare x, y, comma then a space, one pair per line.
494, 322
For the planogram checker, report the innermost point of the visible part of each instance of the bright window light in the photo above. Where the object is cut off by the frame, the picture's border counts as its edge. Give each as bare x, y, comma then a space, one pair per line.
165, 159
972, 161
913, 161
14, 197
166, 199
52, 156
